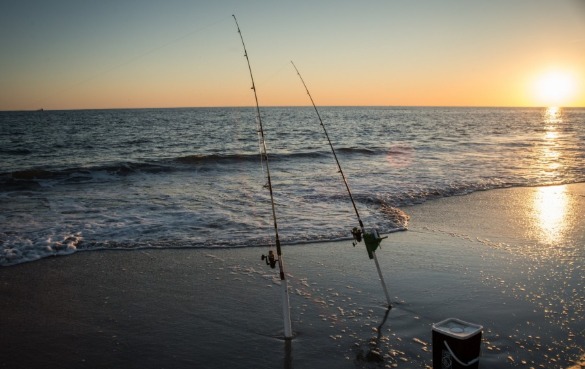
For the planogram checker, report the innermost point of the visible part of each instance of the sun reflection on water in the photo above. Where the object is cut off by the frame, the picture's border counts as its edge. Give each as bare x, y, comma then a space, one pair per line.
553, 115
549, 153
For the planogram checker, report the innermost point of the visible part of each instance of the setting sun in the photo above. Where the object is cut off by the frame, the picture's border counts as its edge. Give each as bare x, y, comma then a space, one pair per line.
555, 88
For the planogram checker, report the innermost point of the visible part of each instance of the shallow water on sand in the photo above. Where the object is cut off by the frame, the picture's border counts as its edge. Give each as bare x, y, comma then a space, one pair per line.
543, 273
222, 308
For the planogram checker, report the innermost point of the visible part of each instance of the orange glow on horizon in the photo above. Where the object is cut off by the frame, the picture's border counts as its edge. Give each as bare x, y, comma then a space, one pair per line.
511, 88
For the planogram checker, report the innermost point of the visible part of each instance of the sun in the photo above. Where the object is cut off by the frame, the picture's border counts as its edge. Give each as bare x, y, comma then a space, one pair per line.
555, 88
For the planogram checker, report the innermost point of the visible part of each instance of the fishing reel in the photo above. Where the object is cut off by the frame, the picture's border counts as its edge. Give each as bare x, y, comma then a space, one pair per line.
371, 238
270, 259
357, 235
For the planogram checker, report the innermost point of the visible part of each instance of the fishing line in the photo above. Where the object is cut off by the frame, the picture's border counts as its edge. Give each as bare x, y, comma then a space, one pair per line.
371, 238
332, 149
270, 259
265, 81
263, 148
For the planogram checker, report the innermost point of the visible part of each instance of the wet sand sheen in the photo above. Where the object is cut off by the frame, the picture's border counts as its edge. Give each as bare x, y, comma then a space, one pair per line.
487, 258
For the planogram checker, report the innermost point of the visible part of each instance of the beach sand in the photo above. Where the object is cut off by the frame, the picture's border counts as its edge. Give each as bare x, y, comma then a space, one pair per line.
510, 260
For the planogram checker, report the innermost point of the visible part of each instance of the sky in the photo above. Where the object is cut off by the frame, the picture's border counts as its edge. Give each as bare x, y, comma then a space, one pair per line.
80, 54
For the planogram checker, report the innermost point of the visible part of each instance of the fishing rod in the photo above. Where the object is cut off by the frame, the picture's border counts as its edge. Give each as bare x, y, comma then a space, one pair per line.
371, 238
270, 259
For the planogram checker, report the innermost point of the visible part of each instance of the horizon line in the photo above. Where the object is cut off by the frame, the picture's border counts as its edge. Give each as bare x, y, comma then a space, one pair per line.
298, 106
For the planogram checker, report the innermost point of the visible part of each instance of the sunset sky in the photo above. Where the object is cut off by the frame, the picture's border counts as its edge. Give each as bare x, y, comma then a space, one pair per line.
66, 54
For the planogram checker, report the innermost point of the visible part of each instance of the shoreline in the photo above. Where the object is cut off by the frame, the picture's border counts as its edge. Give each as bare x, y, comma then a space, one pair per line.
486, 258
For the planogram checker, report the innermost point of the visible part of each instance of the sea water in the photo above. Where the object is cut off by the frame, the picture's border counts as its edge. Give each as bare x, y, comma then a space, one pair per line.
193, 177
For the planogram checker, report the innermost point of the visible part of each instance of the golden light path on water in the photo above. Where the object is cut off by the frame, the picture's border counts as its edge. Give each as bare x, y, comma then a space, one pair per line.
550, 155
550, 203
551, 206
553, 242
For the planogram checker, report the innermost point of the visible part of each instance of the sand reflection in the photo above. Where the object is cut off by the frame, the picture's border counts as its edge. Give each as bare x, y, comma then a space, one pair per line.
551, 205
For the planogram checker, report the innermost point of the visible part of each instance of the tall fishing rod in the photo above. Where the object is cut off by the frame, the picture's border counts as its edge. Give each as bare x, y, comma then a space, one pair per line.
270, 259
372, 238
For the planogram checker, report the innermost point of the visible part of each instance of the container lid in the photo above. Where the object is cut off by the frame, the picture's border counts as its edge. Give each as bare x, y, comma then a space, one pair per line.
457, 328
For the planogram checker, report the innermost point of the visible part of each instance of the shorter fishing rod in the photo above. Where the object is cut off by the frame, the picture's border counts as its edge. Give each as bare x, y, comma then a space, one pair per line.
270, 259
371, 238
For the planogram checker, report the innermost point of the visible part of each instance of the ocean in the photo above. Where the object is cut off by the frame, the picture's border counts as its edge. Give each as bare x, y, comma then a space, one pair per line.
193, 177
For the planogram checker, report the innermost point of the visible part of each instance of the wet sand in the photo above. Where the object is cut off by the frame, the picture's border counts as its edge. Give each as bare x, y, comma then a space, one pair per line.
510, 260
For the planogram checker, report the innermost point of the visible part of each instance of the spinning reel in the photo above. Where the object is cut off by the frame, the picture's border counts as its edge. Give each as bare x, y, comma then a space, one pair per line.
357, 235
270, 259
371, 238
